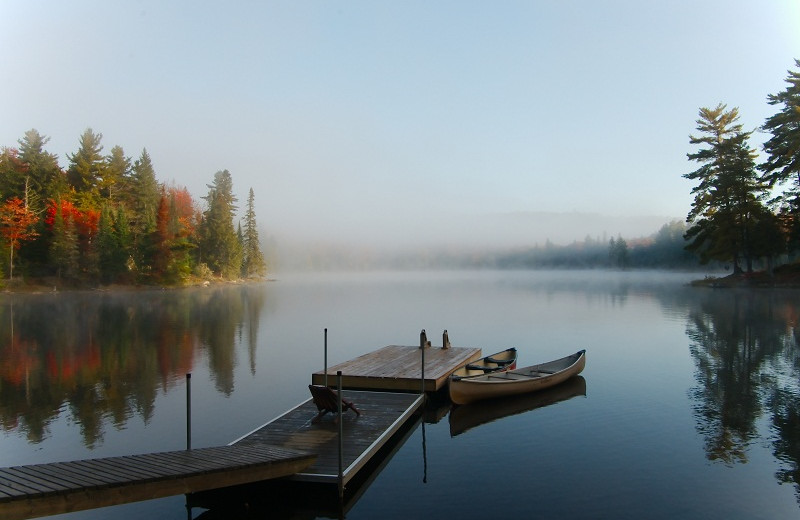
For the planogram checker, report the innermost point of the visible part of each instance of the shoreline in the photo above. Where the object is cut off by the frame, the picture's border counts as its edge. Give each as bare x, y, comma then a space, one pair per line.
42, 286
783, 277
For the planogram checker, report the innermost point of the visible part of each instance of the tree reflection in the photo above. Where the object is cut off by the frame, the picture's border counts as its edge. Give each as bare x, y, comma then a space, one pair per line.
744, 345
104, 357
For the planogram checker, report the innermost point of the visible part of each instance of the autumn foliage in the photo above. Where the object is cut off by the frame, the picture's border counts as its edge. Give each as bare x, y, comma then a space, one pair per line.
106, 219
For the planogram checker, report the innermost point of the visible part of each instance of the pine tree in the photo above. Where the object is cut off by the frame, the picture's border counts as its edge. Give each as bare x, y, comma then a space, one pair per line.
219, 246
46, 180
107, 246
728, 196
253, 260
143, 200
64, 244
87, 169
117, 172
782, 166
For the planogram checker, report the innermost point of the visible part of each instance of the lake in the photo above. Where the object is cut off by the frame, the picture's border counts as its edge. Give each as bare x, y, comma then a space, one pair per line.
689, 406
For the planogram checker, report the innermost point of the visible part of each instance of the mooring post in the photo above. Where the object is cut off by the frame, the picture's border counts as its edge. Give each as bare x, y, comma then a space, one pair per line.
341, 432
325, 377
422, 370
189, 411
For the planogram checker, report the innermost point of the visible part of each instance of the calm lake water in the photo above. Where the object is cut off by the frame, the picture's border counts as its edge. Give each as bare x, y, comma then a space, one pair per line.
689, 406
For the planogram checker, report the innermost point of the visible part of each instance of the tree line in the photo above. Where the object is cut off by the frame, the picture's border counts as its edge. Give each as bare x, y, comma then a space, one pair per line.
743, 211
106, 219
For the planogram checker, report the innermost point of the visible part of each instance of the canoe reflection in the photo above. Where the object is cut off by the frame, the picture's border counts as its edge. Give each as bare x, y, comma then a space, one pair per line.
468, 416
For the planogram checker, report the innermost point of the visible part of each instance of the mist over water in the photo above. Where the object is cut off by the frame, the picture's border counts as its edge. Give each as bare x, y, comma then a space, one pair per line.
382, 239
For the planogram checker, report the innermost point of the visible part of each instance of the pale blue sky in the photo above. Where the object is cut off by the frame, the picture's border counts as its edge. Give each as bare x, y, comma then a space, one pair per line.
378, 119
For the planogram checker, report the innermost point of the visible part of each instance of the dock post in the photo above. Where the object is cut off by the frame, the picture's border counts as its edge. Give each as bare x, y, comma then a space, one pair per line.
422, 370
189, 411
341, 436
326, 357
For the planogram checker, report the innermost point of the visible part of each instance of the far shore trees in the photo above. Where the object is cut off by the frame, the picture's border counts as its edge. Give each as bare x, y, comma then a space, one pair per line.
107, 219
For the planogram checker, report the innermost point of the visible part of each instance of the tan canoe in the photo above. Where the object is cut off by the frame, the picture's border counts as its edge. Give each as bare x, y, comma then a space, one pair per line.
512, 382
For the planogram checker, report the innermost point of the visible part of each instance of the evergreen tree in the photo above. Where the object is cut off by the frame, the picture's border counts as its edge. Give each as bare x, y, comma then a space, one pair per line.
253, 260
727, 198
87, 169
219, 245
143, 200
117, 173
618, 252
112, 244
13, 174
64, 245
46, 180
782, 166
124, 240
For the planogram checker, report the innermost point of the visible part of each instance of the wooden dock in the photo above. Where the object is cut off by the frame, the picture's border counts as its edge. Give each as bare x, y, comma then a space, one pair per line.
61, 487
289, 446
398, 368
382, 414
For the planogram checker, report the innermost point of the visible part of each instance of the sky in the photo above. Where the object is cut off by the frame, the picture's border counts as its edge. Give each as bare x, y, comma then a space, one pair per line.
402, 122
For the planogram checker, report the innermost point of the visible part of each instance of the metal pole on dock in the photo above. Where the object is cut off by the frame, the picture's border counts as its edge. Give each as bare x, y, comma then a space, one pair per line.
341, 436
422, 370
189, 411
326, 357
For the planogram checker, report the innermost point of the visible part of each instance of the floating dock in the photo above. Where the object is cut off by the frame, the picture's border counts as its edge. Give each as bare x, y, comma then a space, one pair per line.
382, 415
399, 368
61, 487
289, 446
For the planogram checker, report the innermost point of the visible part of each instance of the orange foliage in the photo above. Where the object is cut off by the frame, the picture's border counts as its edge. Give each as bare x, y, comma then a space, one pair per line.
86, 221
15, 222
184, 209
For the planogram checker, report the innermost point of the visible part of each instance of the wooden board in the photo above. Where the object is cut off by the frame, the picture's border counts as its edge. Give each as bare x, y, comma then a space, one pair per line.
382, 414
47, 489
398, 368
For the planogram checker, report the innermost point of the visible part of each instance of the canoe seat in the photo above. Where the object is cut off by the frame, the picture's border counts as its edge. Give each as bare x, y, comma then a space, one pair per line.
501, 362
481, 367
327, 401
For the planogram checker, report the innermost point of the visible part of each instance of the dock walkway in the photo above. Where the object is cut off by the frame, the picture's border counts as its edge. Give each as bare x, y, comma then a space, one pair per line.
61, 487
382, 414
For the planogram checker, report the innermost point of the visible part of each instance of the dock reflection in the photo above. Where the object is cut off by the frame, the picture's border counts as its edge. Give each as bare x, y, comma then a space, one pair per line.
465, 417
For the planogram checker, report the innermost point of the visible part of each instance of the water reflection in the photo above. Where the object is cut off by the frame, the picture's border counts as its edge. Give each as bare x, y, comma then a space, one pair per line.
744, 345
465, 417
103, 357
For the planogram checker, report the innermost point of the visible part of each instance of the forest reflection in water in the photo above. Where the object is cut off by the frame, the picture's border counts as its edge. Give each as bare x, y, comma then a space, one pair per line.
745, 348
105, 356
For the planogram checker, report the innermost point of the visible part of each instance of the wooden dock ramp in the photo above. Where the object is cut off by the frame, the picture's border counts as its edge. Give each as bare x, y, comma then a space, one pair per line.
399, 368
61, 487
382, 415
